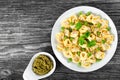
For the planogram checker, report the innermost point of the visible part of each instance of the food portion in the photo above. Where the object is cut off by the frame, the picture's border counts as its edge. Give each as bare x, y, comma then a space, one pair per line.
42, 65
84, 38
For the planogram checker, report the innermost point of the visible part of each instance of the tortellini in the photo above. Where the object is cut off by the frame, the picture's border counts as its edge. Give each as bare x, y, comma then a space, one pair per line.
84, 38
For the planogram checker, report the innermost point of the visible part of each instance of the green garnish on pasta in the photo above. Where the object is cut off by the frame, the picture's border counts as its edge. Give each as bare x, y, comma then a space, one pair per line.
103, 41
81, 40
71, 23
98, 33
66, 48
98, 48
69, 60
78, 25
108, 28
83, 49
78, 53
70, 29
79, 63
88, 13
91, 43
71, 38
84, 39
98, 60
88, 23
80, 13
65, 37
62, 28
87, 34
99, 25
89, 54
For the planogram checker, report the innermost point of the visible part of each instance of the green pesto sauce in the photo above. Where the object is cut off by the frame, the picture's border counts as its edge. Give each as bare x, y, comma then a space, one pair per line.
42, 65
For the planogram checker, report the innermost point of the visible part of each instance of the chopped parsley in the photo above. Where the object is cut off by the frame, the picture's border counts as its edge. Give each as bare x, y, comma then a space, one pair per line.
88, 13
78, 25
62, 28
78, 53
71, 23
70, 29
86, 34
69, 60
99, 25
80, 13
108, 28
83, 49
103, 41
81, 40
98, 33
98, 48
65, 37
66, 48
88, 23
89, 54
71, 38
91, 43
98, 60
79, 63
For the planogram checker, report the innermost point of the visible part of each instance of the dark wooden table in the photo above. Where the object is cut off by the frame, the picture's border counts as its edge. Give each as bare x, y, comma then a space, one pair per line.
25, 29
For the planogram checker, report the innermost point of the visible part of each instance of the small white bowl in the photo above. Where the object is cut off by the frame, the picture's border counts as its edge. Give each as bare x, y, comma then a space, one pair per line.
30, 75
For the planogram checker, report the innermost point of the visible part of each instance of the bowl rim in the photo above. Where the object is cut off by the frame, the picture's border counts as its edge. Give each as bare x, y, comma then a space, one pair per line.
25, 75
53, 60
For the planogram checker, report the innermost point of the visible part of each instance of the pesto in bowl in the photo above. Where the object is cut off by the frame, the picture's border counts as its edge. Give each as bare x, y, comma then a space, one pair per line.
42, 64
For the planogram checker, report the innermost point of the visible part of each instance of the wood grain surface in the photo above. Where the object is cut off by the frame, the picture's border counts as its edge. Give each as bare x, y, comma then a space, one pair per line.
25, 29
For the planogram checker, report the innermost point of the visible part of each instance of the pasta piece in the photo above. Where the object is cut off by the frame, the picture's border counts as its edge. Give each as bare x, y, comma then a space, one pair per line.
104, 23
75, 49
75, 40
67, 43
85, 64
105, 46
72, 26
92, 59
74, 34
83, 46
94, 29
89, 18
76, 59
67, 54
109, 38
98, 39
73, 18
60, 47
83, 56
65, 23
91, 37
105, 32
100, 55
93, 48
59, 37
82, 17
67, 33
84, 29
96, 18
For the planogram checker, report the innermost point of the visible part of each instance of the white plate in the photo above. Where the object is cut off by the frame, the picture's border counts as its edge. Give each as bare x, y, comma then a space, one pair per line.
109, 53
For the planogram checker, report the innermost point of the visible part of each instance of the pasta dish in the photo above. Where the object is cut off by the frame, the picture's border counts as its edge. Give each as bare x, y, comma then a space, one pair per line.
84, 38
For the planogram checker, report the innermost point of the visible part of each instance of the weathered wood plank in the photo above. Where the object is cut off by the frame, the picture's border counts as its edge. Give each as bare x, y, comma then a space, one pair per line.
25, 29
